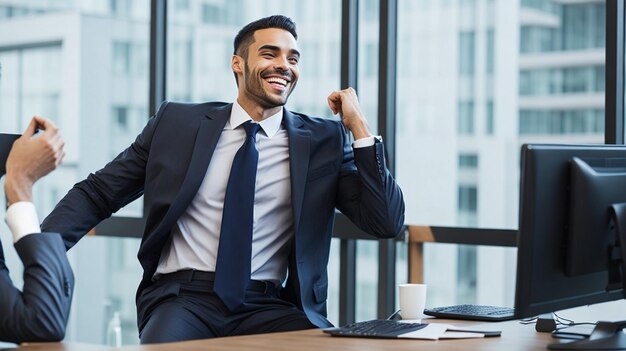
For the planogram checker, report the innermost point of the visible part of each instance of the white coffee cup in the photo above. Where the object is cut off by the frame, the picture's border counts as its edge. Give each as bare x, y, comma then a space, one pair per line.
412, 300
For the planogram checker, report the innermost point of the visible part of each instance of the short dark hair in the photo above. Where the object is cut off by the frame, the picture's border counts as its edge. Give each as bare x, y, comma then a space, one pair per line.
246, 35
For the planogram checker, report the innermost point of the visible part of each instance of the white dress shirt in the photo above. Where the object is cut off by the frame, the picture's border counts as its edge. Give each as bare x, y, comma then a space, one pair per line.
21, 217
195, 239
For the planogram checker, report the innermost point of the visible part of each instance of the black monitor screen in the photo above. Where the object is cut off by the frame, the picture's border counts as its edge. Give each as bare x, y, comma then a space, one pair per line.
546, 279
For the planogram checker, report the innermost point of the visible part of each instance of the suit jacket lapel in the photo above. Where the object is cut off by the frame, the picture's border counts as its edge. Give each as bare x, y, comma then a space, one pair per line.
209, 131
299, 144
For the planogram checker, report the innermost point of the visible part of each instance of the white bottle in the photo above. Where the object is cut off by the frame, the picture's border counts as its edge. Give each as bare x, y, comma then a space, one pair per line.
114, 331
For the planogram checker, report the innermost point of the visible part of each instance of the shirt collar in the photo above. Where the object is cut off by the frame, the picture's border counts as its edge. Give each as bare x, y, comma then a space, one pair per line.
271, 125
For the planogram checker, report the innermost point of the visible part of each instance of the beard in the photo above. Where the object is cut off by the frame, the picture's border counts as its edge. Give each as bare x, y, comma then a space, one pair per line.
256, 91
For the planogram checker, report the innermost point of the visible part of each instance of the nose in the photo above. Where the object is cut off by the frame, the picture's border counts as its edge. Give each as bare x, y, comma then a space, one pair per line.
281, 63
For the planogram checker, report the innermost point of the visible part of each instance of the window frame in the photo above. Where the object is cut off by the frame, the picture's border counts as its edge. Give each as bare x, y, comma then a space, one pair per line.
614, 113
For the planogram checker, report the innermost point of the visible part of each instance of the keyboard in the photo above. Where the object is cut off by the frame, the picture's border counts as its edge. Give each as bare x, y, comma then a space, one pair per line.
473, 312
378, 328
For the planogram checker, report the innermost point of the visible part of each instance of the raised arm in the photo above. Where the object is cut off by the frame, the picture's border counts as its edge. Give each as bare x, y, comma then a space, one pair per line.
104, 192
367, 193
41, 310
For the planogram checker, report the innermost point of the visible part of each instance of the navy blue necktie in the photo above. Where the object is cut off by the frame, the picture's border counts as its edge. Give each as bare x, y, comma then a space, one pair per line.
232, 271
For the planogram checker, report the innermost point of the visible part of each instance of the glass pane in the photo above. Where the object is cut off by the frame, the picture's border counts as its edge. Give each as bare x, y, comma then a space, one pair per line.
476, 80
200, 47
84, 65
367, 250
369, 13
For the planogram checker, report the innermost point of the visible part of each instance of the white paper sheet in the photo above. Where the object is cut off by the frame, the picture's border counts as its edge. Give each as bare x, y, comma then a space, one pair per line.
436, 331
430, 332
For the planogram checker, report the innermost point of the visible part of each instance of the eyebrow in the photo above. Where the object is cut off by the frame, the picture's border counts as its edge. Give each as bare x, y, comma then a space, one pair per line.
276, 48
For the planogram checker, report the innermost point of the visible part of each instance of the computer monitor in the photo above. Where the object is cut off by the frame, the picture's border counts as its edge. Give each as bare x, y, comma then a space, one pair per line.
597, 184
566, 197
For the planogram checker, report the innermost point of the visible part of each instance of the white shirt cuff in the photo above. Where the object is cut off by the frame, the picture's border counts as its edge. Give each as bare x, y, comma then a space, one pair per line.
365, 142
21, 217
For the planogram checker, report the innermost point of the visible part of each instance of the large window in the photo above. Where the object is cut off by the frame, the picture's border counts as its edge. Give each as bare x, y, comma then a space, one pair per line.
84, 65
476, 80
200, 46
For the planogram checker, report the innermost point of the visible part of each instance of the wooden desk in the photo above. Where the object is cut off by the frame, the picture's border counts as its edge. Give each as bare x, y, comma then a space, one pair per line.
515, 336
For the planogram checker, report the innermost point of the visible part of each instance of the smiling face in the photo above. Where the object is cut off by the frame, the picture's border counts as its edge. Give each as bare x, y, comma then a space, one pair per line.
269, 73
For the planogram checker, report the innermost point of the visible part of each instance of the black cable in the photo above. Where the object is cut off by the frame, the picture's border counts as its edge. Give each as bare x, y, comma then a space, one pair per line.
395, 315
528, 320
559, 320
565, 323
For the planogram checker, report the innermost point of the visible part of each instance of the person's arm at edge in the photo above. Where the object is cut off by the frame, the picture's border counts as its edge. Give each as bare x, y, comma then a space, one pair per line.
41, 310
104, 192
367, 193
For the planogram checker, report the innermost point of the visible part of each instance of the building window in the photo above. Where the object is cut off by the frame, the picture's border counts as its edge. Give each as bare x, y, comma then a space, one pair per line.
465, 118
120, 116
542, 5
599, 78
490, 50
541, 122
466, 53
582, 26
567, 80
121, 58
181, 5
538, 39
468, 161
489, 119
228, 13
120, 7
210, 13
466, 274
576, 80
468, 205
468, 198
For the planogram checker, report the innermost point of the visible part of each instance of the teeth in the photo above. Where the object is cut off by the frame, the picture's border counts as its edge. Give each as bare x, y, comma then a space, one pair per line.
277, 80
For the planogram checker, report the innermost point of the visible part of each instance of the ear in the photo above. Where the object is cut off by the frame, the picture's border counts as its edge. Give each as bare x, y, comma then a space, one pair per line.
237, 64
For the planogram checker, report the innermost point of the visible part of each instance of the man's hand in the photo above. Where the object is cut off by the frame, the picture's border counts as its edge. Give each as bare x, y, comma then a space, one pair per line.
31, 158
346, 103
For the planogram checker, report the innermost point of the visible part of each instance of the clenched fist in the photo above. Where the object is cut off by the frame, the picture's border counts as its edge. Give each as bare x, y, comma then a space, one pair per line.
31, 158
346, 103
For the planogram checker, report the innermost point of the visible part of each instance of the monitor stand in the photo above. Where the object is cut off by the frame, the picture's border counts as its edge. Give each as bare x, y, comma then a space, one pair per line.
608, 335
605, 336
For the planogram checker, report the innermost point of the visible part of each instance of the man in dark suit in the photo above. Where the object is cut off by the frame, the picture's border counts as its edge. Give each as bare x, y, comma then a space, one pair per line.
39, 312
204, 226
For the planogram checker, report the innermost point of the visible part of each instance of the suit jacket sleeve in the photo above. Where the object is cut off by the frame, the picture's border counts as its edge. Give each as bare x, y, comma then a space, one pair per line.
104, 192
41, 310
367, 193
